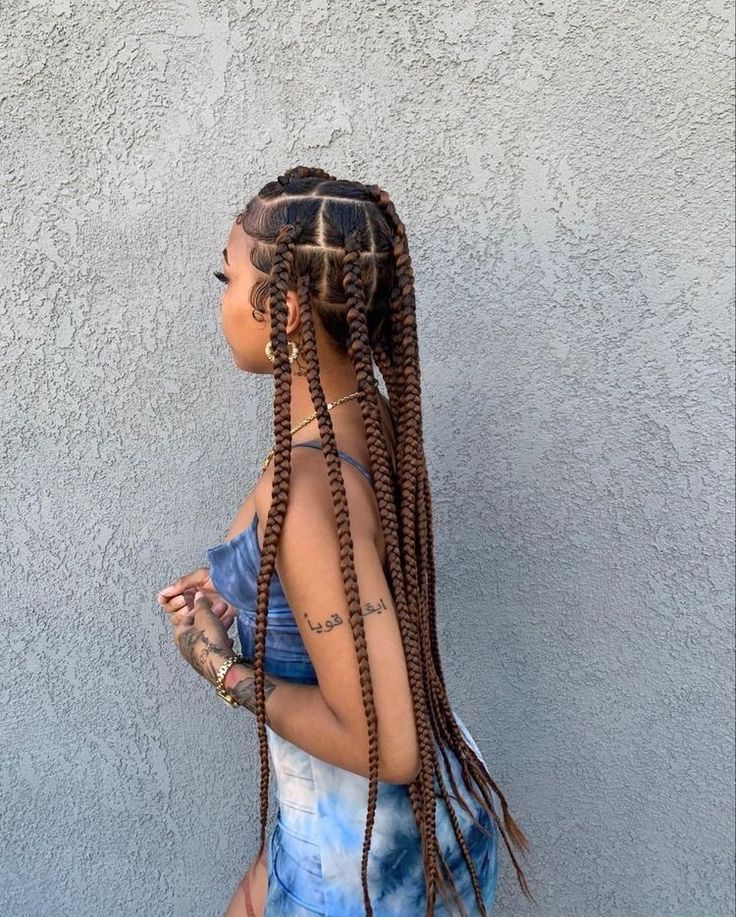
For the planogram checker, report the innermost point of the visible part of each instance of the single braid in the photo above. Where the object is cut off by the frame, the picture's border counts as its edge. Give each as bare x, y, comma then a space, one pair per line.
409, 423
280, 277
304, 172
360, 352
337, 486
439, 692
399, 381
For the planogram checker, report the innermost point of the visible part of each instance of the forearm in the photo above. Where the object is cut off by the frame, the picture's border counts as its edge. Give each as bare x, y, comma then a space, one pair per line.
299, 714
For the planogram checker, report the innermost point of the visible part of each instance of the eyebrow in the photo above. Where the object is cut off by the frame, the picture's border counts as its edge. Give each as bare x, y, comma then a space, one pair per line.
224, 255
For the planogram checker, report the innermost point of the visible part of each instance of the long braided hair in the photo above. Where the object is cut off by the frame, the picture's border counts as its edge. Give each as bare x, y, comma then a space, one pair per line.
341, 245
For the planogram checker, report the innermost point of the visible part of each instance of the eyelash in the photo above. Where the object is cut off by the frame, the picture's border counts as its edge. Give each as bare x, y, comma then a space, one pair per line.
220, 276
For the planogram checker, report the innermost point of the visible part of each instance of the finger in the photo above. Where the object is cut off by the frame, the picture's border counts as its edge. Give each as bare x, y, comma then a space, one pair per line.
185, 617
194, 579
219, 607
179, 601
201, 602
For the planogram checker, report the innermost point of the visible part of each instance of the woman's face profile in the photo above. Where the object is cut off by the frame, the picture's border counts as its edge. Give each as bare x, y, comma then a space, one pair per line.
245, 330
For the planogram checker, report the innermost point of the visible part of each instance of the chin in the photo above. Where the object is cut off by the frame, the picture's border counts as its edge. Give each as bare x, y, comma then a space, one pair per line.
245, 363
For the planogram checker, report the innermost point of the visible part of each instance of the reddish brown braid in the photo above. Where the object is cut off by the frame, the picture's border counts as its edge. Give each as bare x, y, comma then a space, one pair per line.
332, 241
339, 496
410, 420
279, 280
407, 378
422, 798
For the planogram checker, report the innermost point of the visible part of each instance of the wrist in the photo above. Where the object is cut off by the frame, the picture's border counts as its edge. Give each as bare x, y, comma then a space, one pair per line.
234, 674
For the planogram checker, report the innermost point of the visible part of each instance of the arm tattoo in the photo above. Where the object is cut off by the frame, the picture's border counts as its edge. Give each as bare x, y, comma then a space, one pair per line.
244, 691
335, 618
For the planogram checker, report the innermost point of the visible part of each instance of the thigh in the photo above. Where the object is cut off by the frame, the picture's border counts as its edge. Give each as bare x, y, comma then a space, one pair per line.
251, 888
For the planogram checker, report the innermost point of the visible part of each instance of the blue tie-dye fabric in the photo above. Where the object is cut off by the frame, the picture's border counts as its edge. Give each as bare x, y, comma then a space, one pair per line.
315, 848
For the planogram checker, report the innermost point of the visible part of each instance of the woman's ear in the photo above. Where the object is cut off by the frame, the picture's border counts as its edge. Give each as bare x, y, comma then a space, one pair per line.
293, 321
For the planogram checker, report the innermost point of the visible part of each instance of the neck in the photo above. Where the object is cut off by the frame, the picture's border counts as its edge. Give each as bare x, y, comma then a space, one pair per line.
336, 383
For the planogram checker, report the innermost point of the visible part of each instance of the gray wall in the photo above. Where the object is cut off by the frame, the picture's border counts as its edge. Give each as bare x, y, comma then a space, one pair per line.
566, 174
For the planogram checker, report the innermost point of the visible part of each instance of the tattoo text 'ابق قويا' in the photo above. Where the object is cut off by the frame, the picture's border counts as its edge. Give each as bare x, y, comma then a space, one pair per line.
336, 619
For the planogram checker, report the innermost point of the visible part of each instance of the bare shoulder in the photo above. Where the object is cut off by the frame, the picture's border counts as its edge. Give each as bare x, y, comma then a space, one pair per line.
310, 500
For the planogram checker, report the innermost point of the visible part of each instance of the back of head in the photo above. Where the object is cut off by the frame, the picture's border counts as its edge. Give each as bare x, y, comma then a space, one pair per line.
329, 212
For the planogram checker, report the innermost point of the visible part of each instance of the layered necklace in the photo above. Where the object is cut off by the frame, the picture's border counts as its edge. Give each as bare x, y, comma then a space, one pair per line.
303, 423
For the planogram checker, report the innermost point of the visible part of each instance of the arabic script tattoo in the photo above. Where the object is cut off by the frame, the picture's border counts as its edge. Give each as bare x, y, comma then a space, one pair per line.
336, 619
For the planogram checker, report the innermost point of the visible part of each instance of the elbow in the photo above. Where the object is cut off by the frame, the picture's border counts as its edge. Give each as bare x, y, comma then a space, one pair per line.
399, 760
407, 776
404, 771
394, 769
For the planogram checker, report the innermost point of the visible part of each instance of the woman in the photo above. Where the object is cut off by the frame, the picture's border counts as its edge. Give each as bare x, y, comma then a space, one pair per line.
340, 660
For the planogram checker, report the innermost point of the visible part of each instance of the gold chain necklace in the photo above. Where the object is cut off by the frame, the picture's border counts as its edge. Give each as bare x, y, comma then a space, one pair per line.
303, 423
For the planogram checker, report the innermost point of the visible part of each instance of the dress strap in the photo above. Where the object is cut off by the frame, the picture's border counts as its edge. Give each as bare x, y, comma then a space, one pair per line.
316, 444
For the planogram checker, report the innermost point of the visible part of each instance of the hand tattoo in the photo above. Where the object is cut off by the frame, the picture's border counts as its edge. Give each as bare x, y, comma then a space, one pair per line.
202, 654
244, 691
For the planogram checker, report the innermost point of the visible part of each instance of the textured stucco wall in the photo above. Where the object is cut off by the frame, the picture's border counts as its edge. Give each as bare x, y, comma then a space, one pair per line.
566, 174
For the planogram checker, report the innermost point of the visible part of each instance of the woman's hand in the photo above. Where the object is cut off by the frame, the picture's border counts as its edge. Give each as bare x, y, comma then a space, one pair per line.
201, 637
180, 594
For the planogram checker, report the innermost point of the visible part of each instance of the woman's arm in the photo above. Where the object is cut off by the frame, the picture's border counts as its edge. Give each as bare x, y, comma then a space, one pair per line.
328, 720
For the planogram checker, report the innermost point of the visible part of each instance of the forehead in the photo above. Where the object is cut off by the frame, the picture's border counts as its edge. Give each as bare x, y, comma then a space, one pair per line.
237, 245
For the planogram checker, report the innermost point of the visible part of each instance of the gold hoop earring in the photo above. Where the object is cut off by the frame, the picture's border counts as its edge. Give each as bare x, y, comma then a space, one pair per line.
293, 352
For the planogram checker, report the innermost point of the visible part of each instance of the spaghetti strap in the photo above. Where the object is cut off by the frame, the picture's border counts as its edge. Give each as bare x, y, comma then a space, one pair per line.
316, 444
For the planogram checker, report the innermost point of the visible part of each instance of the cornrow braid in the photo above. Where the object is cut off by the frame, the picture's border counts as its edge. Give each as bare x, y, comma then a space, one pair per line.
342, 246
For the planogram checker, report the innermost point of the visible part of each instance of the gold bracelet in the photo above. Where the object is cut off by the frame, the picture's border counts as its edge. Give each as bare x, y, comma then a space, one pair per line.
220, 683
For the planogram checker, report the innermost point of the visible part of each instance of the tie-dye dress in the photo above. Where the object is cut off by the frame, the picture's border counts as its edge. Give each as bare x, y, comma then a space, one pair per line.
314, 850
